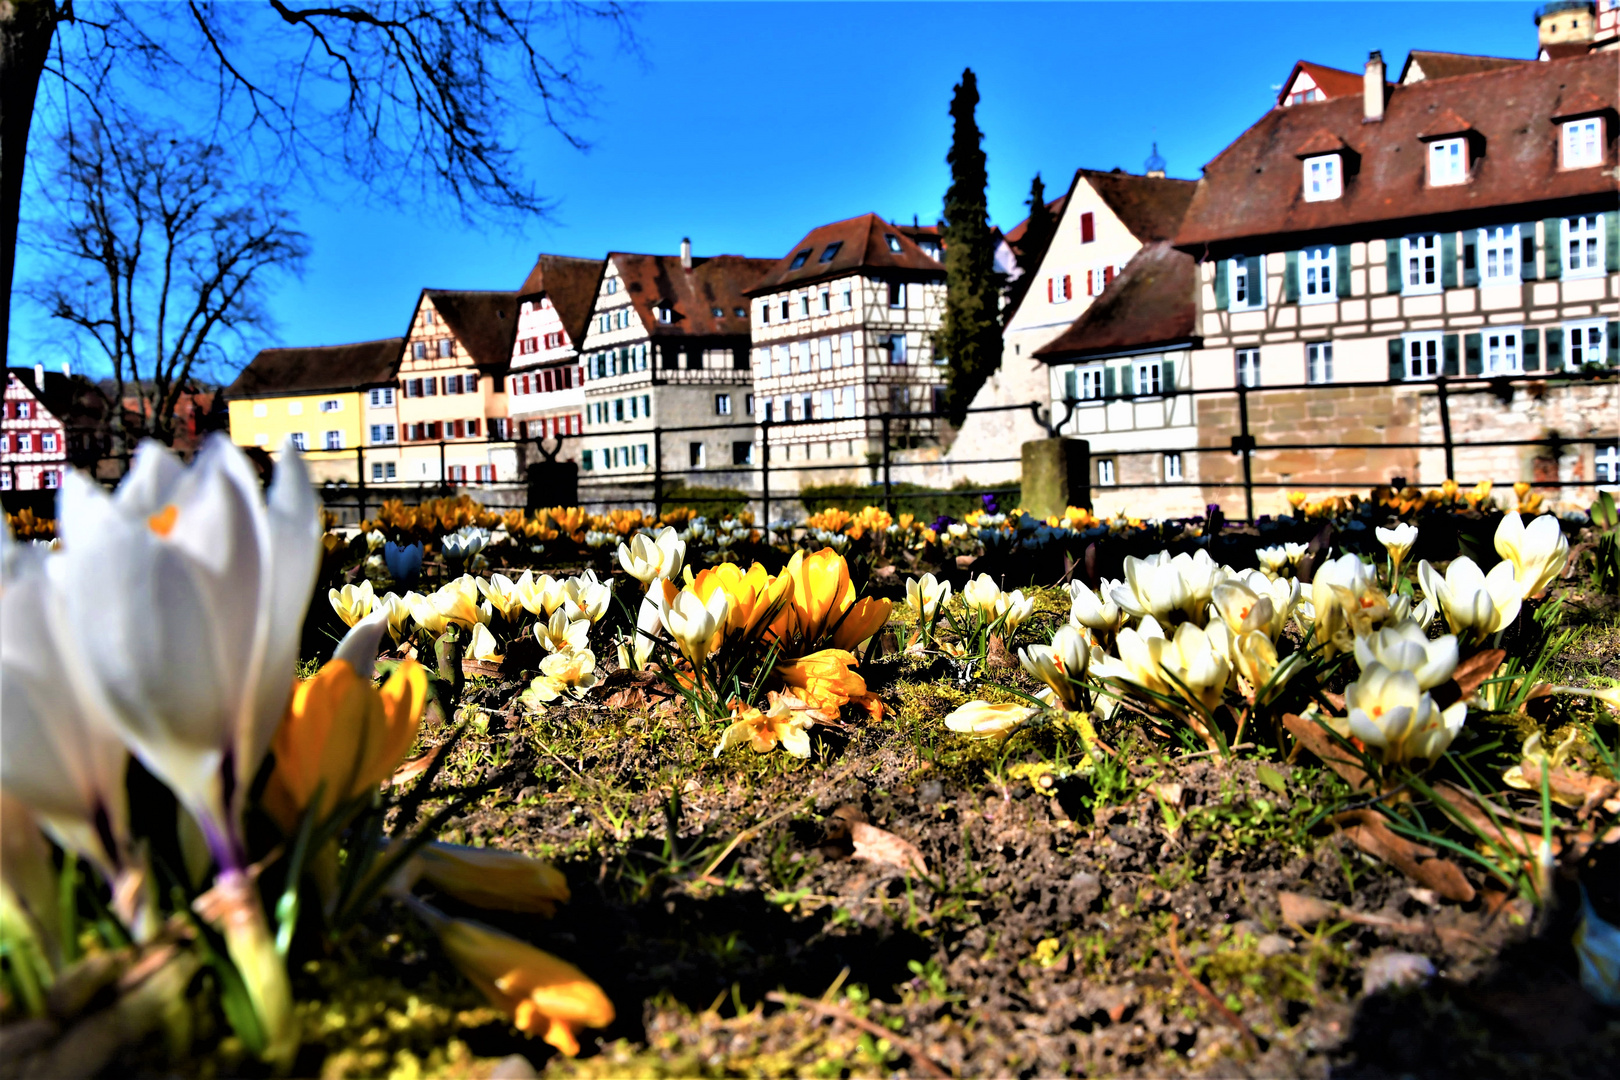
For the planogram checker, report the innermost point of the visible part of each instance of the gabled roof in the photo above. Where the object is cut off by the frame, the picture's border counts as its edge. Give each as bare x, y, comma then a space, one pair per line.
314, 368
1252, 191
1332, 82
1151, 207
718, 281
484, 321
69, 398
570, 284
1151, 303
1424, 64
863, 244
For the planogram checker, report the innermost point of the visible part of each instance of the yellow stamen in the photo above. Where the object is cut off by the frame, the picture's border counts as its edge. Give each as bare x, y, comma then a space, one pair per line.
162, 522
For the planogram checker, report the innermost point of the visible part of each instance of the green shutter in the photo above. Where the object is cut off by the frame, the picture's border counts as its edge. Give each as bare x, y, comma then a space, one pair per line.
1126, 375
1614, 344
1108, 382
1552, 246
1397, 359
1473, 362
1291, 279
1070, 389
1448, 349
1470, 259
1555, 347
1611, 237
1527, 251
1392, 264
1532, 350
1341, 275
1448, 260
1221, 290
1257, 279
1169, 376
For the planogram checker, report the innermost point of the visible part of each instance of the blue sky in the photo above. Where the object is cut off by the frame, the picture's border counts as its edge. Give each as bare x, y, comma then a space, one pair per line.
743, 125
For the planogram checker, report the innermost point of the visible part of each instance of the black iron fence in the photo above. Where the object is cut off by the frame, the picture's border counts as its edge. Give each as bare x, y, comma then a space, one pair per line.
900, 449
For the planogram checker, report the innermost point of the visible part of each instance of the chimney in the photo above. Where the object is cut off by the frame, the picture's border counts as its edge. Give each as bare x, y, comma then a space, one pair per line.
39, 376
1372, 88
686, 253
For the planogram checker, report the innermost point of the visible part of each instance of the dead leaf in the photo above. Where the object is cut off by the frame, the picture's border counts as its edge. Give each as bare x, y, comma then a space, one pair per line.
1476, 669
997, 655
880, 846
1570, 786
1490, 821
414, 767
638, 691
1302, 910
1313, 737
1371, 834
1170, 793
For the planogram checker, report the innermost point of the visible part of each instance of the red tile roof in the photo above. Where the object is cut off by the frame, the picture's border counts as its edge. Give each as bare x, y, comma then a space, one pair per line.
1332, 82
571, 286
718, 281
1151, 207
1252, 192
1446, 65
1151, 303
483, 320
862, 245
311, 369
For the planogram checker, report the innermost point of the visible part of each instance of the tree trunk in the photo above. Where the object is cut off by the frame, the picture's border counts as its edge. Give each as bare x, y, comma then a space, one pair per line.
26, 29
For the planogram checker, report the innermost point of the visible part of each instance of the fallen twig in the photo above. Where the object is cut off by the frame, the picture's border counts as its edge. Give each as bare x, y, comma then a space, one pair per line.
838, 1012
1209, 995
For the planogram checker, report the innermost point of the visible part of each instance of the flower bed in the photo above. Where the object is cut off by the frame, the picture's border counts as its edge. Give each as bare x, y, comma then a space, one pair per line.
868, 794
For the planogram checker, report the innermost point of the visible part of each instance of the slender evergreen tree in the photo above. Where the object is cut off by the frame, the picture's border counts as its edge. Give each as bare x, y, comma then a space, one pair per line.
1038, 233
970, 335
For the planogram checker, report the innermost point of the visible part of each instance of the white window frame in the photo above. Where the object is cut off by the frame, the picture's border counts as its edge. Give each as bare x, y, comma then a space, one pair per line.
700, 452
47, 442
1607, 459
1448, 162
1582, 330
1583, 142
1415, 253
1150, 378
5, 479
1092, 383
1105, 472
1319, 362
331, 405
300, 441
1502, 350
1318, 271
1254, 298
1323, 178
1172, 466
846, 344
722, 404
1583, 241
1060, 288
1246, 367
1498, 255
1420, 353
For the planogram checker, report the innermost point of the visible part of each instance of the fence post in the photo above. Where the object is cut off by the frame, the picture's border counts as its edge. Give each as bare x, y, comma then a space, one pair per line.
444, 475
658, 472
1246, 441
360, 469
765, 474
1445, 425
888, 484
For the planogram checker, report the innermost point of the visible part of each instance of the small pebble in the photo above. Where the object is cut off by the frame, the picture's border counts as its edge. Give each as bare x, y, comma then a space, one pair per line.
1394, 970
1273, 945
513, 1067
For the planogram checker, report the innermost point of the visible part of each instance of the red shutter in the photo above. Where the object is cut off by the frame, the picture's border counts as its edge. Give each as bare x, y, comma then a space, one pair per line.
1088, 229
1068, 288
1049, 290
1091, 288
1108, 275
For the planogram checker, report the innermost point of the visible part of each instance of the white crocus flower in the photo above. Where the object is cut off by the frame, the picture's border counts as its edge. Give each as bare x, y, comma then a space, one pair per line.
982, 720
1096, 612
1241, 609
562, 634
502, 594
375, 540
1198, 661
982, 595
483, 646
1390, 712
399, 613
1138, 661
1274, 561
1397, 541
646, 558
926, 595
185, 593
1538, 553
1475, 604
1153, 588
1254, 655
353, 602
1060, 665
1347, 603
1405, 647
589, 596
696, 627
571, 673
1016, 608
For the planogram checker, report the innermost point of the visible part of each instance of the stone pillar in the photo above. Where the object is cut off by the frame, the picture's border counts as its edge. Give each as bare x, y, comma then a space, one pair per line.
553, 483
1057, 475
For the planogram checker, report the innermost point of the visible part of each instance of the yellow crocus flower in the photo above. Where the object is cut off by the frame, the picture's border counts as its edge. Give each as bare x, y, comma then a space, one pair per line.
353, 602
487, 877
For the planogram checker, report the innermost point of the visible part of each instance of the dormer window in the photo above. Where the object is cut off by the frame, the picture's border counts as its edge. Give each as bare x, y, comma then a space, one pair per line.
830, 252
799, 259
1583, 143
611, 286
894, 242
1323, 178
664, 313
1448, 162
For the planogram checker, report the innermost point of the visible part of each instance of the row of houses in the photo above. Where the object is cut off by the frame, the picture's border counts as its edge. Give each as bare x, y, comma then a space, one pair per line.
1367, 239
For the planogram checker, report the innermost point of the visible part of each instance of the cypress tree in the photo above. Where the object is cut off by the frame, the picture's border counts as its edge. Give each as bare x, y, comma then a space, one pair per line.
970, 334
1038, 233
